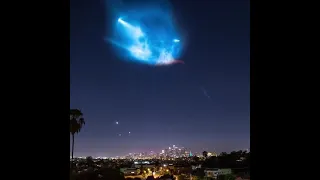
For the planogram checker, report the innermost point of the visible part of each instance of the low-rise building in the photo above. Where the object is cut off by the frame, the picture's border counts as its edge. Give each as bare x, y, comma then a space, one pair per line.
214, 172
130, 171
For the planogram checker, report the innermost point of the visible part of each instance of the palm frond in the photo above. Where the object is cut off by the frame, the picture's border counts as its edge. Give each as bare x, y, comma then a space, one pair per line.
76, 121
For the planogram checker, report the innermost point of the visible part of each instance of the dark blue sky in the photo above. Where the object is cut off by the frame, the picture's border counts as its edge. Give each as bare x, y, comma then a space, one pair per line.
162, 106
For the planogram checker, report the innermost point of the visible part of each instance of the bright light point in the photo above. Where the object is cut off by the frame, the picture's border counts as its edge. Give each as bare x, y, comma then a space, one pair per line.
119, 134
129, 132
176, 40
119, 19
117, 122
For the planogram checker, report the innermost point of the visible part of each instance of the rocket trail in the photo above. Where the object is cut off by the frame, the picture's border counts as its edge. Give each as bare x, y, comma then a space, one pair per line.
145, 33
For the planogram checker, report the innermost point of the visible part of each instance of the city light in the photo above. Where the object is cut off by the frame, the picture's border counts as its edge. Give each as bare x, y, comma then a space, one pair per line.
169, 153
164, 154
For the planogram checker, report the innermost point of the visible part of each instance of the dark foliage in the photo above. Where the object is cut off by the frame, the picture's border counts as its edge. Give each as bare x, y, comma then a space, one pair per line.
234, 160
205, 154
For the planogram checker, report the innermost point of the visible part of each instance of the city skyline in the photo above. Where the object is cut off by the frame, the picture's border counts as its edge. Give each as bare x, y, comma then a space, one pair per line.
157, 151
133, 107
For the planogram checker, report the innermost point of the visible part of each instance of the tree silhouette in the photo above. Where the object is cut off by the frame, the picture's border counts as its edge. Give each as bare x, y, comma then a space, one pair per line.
239, 161
111, 173
205, 154
150, 178
76, 123
141, 169
89, 161
223, 154
195, 159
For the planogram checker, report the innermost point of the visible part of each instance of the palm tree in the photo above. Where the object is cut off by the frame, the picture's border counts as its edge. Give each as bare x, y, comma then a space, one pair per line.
76, 123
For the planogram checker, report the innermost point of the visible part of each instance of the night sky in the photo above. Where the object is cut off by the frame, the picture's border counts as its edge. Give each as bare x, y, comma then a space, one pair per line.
202, 105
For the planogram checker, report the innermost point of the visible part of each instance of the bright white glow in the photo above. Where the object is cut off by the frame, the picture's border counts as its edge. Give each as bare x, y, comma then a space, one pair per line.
146, 43
140, 52
135, 32
164, 59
